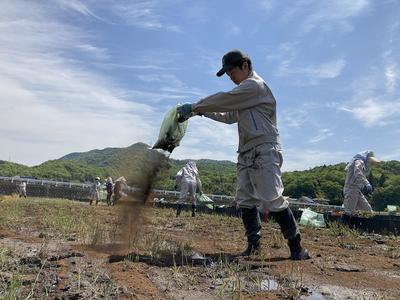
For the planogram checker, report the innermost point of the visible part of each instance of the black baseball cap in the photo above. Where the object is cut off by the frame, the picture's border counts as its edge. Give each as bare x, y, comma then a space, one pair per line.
231, 60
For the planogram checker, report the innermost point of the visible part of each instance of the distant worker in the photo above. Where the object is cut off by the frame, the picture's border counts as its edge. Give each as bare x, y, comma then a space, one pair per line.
357, 184
22, 189
252, 106
109, 188
95, 191
189, 180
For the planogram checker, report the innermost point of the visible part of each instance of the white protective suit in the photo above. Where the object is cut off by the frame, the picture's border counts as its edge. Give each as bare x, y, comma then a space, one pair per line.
95, 191
355, 180
22, 189
188, 178
252, 105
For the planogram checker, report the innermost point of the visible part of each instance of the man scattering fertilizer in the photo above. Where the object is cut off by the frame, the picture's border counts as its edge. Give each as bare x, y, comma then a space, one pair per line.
252, 105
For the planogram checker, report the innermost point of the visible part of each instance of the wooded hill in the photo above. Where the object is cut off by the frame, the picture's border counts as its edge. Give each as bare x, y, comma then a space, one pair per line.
138, 163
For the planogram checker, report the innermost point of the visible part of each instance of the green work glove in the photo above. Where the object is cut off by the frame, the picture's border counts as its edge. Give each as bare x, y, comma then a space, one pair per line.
184, 112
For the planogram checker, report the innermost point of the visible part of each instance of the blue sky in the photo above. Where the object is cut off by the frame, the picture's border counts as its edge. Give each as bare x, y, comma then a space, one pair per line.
82, 75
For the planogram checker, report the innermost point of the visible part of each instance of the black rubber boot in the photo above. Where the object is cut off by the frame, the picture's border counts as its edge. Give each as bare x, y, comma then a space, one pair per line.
296, 251
193, 210
345, 219
252, 225
290, 231
179, 209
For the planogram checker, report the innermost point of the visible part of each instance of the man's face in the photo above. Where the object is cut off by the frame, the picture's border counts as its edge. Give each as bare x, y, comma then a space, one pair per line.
237, 74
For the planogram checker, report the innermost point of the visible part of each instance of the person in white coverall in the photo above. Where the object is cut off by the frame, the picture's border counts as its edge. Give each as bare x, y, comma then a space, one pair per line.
189, 180
22, 189
259, 186
95, 191
357, 184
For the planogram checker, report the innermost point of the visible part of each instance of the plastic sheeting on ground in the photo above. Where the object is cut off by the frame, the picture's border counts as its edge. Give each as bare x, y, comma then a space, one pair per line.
203, 199
209, 206
311, 218
171, 131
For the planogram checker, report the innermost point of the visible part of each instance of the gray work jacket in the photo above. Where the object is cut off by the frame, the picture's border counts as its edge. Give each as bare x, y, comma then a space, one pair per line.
356, 176
250, 104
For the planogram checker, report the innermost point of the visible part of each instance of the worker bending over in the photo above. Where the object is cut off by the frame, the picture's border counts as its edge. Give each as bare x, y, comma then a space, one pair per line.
357, 184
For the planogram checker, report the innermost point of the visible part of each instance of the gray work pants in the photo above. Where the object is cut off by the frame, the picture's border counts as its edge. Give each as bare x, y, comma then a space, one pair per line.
355, 200
188, 188
259, 180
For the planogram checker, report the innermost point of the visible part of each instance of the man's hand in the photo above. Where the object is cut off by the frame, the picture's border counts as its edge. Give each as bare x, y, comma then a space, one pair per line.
367, 189
184, 112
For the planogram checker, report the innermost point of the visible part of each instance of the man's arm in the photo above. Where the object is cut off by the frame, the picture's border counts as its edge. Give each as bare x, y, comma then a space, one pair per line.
227, 117
241, 97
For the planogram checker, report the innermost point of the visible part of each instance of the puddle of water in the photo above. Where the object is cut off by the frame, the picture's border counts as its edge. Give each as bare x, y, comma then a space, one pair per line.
313, 296
269, 285
198, 259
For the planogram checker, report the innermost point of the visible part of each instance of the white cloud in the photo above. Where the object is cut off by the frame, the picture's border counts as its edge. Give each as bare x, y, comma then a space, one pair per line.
287, 56
144, 66
327, 70
232, 29
293, 118
391, 71
266, 5
209, 61
171, 87
323, 134
286, 52
392, 76
96, 52
144, 13
196, 12
366, 86
78, 6
375, 100
375, 112
171, 79
52, 104
330, 15
312, 74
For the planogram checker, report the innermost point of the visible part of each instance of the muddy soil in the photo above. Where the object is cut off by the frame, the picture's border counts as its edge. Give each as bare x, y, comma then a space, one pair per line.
163, 257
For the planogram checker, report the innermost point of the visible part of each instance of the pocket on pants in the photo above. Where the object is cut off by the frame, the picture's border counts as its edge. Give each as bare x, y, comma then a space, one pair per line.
266, 155
247, 158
